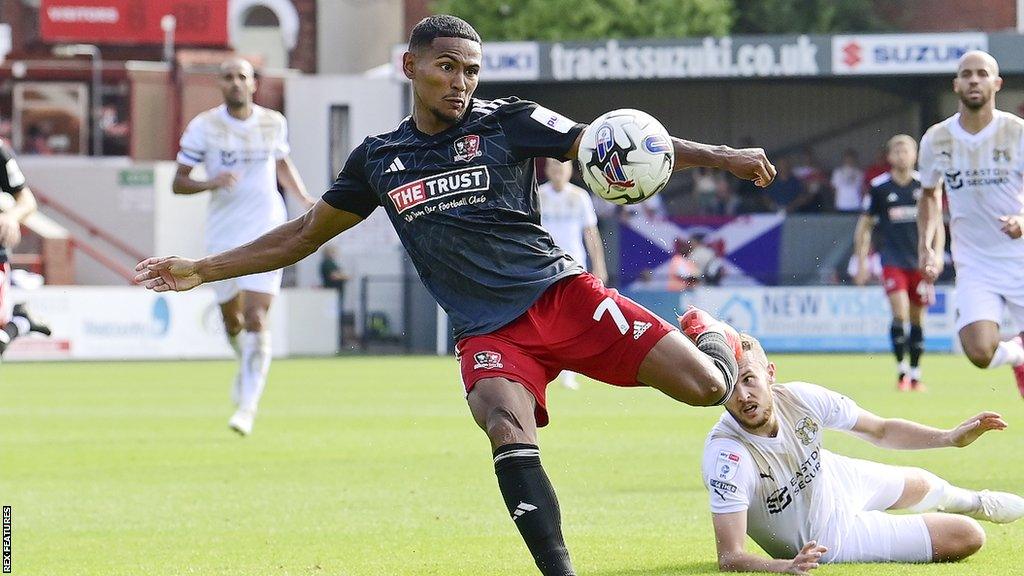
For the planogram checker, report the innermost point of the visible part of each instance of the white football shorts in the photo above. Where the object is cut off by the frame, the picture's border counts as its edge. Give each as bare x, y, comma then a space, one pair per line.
982, 291
869, 533
264, 283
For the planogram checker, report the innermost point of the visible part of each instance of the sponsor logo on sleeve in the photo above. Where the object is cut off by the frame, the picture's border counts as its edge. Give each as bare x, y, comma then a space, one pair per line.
487, 360
723, 485
552, 119
727, 465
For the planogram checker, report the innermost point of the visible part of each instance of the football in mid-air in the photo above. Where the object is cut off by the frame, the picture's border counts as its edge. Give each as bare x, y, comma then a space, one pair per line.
626, 156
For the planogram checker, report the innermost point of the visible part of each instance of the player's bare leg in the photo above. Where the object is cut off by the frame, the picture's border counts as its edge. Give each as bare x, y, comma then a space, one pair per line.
231, 315
505, 411
899, 303
981, 343
679, 369
953, 537
255, 364
915, 345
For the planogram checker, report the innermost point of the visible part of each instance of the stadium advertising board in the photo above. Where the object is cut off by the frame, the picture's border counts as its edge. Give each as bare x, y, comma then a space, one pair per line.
724, 57
199, 22
808, 319
902, 53
106, 323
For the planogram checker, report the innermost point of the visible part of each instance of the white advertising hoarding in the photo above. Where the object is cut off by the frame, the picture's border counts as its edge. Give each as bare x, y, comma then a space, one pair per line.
903, 53
125, 323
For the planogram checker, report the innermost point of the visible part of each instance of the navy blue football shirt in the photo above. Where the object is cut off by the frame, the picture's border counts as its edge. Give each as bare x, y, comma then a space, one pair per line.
895, 208
464, 204
11, 181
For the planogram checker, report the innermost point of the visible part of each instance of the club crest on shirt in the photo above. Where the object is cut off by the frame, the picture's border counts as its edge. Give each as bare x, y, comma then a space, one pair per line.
467, 148
1001, 154
727, 465
806, 430
487, 360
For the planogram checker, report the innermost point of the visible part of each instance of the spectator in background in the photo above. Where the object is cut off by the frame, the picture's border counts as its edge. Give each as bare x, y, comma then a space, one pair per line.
724, 202
752, 199
786, 192
683, 272
848, 183
707, 260
332, 276
704, 188
812, 177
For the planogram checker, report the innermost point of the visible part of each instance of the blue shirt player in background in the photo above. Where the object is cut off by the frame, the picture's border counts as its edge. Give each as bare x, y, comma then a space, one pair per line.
891, 208
457, 181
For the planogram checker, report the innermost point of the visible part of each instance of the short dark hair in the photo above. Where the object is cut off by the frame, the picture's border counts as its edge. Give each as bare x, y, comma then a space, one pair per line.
440, 26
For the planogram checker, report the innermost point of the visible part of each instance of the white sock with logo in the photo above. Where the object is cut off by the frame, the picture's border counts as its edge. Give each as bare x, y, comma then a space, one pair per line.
255, 365
1008, 352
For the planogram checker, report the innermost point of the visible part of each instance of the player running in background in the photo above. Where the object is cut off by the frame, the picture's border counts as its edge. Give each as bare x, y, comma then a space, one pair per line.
456, 179
891, 207
15, 320
567, 212
768, 476
978, 154
244, 148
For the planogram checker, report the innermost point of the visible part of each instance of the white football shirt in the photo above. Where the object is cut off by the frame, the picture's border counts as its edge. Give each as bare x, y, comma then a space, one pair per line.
250, 149
565, 215
782, 482
984, 176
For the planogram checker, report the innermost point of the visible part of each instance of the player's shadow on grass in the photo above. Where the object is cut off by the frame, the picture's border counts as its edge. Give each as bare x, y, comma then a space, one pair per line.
674, 570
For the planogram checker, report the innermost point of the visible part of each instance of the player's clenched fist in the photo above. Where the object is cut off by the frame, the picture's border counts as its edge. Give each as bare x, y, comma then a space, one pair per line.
168, 273
750, 164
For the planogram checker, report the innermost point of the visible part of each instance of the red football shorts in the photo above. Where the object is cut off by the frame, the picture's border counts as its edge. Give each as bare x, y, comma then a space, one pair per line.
907, 280
577, 324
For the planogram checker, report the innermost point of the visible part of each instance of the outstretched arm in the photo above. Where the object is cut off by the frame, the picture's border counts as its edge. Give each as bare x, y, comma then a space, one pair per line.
730, 535
282, 246
900, 434
745, 163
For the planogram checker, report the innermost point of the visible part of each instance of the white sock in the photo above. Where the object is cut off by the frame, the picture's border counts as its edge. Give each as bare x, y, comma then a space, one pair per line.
903, 367
22, 323
945, 497
1008, 352
235, 345
915, 373
255, 364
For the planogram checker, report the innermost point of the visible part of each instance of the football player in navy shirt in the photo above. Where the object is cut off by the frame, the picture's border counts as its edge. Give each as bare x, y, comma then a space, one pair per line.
457, 181
890, 207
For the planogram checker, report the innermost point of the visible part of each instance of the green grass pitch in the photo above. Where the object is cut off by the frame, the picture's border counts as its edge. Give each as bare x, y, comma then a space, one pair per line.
367, 466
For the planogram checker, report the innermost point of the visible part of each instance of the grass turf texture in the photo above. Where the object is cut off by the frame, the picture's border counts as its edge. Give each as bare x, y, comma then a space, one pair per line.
365, 466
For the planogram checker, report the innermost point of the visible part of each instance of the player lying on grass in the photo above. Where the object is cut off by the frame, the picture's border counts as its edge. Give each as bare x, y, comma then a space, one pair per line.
768, 476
